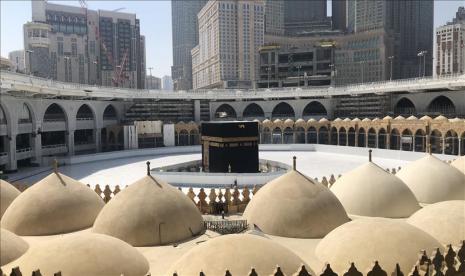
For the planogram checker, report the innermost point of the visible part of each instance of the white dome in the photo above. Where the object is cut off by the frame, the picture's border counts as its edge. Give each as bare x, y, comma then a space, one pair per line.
426, 118
238, 253
7, 194
295, 206
432, 180
83, 254
369, 190
399, 118
412, 118
11, 247
366, 120
367, 239
149, 212
445, 221
61, 205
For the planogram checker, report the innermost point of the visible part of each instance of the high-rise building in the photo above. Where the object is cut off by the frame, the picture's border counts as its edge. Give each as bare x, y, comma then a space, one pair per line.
339, 14
274, 17
74, 44
305, 16
450, 48
230, 34
408, 23
152, 82
17, 61
167, 83
185, 37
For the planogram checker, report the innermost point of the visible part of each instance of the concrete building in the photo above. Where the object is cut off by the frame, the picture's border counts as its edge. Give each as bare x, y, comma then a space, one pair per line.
152, 82
274, 17
74, 44
17, 61
185, 37
410, 23
167, 83
450, 51
289, 66
305, 16
230, 33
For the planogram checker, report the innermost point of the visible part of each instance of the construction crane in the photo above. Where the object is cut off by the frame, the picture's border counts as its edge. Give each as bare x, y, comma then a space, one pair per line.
118, 69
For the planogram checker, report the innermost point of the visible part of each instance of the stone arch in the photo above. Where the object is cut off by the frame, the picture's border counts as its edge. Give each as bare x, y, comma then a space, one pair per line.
351, 137
225, 112
266, 135
183, 138
462, 144
382, 138
394, 142
85, 112
283, 110
300, 135
194, 137
441, 105
314, 109
277, 136
435, 140
451, 143
323, 135
361, 139
371, 138
55, 112
334, 136
404, 107
288, 136
342, 136
406, 140
3, 119
420, 140
26, 115
312, 135
110, 113
253, 110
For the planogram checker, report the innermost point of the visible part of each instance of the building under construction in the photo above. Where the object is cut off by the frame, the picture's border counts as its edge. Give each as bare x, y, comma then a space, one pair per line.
76, 44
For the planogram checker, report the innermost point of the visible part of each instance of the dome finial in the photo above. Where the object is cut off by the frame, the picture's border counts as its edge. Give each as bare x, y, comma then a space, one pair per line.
55, 166
369, 155
148, 167
294, 163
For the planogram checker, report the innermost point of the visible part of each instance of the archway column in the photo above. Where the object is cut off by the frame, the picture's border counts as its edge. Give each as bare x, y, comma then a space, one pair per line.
317, 136
37, 147
460, 147
98, 139
413, 142
443, 139
377, 140
70, 142
11, 150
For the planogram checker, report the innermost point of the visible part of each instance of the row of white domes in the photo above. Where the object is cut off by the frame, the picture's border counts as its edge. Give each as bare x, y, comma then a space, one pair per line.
292, 205
386, 118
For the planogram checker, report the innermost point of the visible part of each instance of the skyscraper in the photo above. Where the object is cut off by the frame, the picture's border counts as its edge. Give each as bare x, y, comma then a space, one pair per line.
74, 44
274, 17
230, 34
409, 23
185, 37
450, 48
339, 14
305, 16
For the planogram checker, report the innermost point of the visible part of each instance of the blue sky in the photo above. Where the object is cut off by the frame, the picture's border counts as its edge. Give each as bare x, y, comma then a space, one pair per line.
155, 17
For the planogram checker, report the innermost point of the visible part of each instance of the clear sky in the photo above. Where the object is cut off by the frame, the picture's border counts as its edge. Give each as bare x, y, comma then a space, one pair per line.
155, 17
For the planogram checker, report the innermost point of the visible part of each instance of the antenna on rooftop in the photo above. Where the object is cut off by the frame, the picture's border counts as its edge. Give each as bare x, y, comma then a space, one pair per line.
148, 167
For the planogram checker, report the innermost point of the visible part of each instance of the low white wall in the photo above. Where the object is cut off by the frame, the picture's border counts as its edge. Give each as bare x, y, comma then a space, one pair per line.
388, 154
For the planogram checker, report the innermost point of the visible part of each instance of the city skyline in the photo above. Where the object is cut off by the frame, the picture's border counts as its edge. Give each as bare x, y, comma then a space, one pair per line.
155, 19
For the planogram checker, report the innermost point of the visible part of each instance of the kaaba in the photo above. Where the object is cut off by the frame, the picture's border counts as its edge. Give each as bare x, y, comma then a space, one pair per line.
229, 147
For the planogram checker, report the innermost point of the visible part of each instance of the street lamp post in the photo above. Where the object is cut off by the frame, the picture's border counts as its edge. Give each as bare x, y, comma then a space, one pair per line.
390, 60
420, 55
